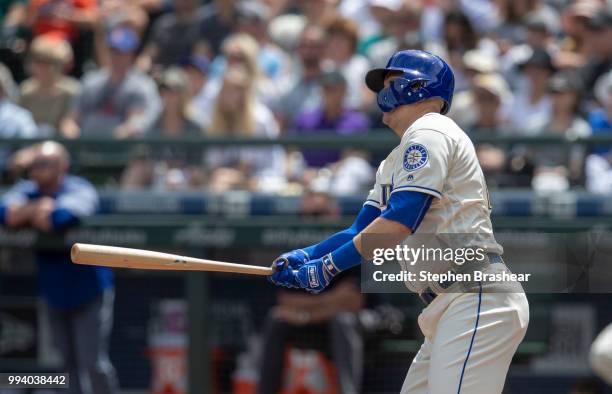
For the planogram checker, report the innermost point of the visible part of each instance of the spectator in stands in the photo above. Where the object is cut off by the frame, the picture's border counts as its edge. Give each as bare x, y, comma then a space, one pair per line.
15, 121
600, 118
72, 20
566, 90
169, 167
118, 101
325, 322
556, 165
174, 35
491, 93
78, 299
341, 51
598, 166
48, 93
531, 108
459, 34
598, 47
175, 120
303, 94
331, 117
238, 112
242, 49
464, 110
253, 18
202, 93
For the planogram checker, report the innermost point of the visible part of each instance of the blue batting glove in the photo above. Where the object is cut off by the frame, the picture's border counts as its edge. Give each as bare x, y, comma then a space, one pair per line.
315, 275
284, 265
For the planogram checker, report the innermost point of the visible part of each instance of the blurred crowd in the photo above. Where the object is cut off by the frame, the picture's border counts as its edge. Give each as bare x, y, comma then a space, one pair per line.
172, 69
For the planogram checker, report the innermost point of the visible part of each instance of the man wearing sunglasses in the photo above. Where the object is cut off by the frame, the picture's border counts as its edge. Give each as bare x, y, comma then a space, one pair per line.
78, 300
430, 185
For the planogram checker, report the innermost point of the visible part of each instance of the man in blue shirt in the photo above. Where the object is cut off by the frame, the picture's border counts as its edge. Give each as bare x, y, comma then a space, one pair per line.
78, 299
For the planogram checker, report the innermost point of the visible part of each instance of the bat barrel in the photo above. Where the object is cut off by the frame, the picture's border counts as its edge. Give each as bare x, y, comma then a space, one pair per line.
112, 256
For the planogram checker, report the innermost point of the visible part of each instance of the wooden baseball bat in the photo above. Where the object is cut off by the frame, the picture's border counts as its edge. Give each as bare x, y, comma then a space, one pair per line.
112, 256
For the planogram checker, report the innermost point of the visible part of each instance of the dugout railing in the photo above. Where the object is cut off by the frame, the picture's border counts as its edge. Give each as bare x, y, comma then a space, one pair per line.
100, 158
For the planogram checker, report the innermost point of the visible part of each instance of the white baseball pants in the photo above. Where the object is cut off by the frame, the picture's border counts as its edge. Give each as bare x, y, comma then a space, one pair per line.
470, 339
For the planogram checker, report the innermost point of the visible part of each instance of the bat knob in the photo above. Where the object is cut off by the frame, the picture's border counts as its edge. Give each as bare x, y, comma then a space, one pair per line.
279, 264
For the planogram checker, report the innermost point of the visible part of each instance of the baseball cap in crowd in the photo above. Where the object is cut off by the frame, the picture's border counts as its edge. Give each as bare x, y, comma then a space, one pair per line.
480, 61
51, 49
332, 78
285, 30
539, 58
123, 39
565, 81
494, 84
174, 79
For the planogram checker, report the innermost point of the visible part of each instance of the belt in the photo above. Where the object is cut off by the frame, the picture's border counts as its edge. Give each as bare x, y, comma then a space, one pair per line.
428, 295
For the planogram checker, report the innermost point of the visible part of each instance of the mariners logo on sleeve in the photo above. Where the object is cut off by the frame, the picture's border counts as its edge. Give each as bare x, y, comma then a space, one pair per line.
415, 157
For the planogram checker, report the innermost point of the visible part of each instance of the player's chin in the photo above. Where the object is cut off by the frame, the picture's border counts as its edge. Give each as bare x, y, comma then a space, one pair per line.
386, 118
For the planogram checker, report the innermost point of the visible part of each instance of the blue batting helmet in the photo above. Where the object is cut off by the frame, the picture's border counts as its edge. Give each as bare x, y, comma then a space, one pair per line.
424, 76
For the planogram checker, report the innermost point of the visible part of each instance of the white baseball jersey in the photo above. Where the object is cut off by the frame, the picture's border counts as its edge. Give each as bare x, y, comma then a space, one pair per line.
436, 157
470, 337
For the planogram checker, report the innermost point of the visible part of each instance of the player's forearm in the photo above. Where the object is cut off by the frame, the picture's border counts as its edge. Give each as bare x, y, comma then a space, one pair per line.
403, 214
381, 233
330, 244
367, 214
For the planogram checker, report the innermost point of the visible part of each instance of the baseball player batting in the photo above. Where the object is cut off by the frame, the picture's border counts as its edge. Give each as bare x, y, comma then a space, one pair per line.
430, 183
